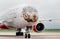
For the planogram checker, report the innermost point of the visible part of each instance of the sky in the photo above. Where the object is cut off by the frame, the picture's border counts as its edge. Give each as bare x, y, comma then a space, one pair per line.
46, 9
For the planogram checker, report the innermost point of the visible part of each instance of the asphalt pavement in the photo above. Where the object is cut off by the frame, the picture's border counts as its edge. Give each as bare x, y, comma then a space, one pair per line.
10, 35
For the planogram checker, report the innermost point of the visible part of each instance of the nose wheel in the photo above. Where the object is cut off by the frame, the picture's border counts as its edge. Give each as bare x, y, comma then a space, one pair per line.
27, 35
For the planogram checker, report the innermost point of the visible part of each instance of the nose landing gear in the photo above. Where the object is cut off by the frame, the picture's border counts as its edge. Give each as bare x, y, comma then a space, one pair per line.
27, 34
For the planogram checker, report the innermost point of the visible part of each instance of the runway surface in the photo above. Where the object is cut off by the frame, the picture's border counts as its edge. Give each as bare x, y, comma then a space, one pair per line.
10, 35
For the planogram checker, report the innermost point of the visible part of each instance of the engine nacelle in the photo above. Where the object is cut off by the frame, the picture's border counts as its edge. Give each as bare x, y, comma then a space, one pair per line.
37, 28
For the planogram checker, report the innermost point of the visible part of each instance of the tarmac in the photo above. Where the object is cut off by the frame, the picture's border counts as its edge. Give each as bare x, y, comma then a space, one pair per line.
46, 35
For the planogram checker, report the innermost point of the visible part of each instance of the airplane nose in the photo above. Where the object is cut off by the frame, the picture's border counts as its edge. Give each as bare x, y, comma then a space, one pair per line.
30, 17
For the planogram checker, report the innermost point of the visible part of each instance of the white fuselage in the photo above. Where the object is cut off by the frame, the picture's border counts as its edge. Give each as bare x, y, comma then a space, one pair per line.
20, 22
15, 19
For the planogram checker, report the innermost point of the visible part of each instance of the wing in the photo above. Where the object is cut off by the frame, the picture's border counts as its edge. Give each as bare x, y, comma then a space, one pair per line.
51, 19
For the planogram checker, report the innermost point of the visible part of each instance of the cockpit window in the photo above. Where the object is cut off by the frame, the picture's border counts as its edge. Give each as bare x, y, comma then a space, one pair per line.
29, 14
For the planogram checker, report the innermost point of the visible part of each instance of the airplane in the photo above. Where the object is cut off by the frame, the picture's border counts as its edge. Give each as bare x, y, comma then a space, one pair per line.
25, 18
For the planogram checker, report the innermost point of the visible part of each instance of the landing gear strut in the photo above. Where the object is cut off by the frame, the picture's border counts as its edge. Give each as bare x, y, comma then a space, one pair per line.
27, 34
19, 33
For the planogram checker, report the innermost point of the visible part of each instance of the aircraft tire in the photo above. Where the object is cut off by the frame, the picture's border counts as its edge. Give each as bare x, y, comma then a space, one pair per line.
25, 35
29, 36
19, 33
